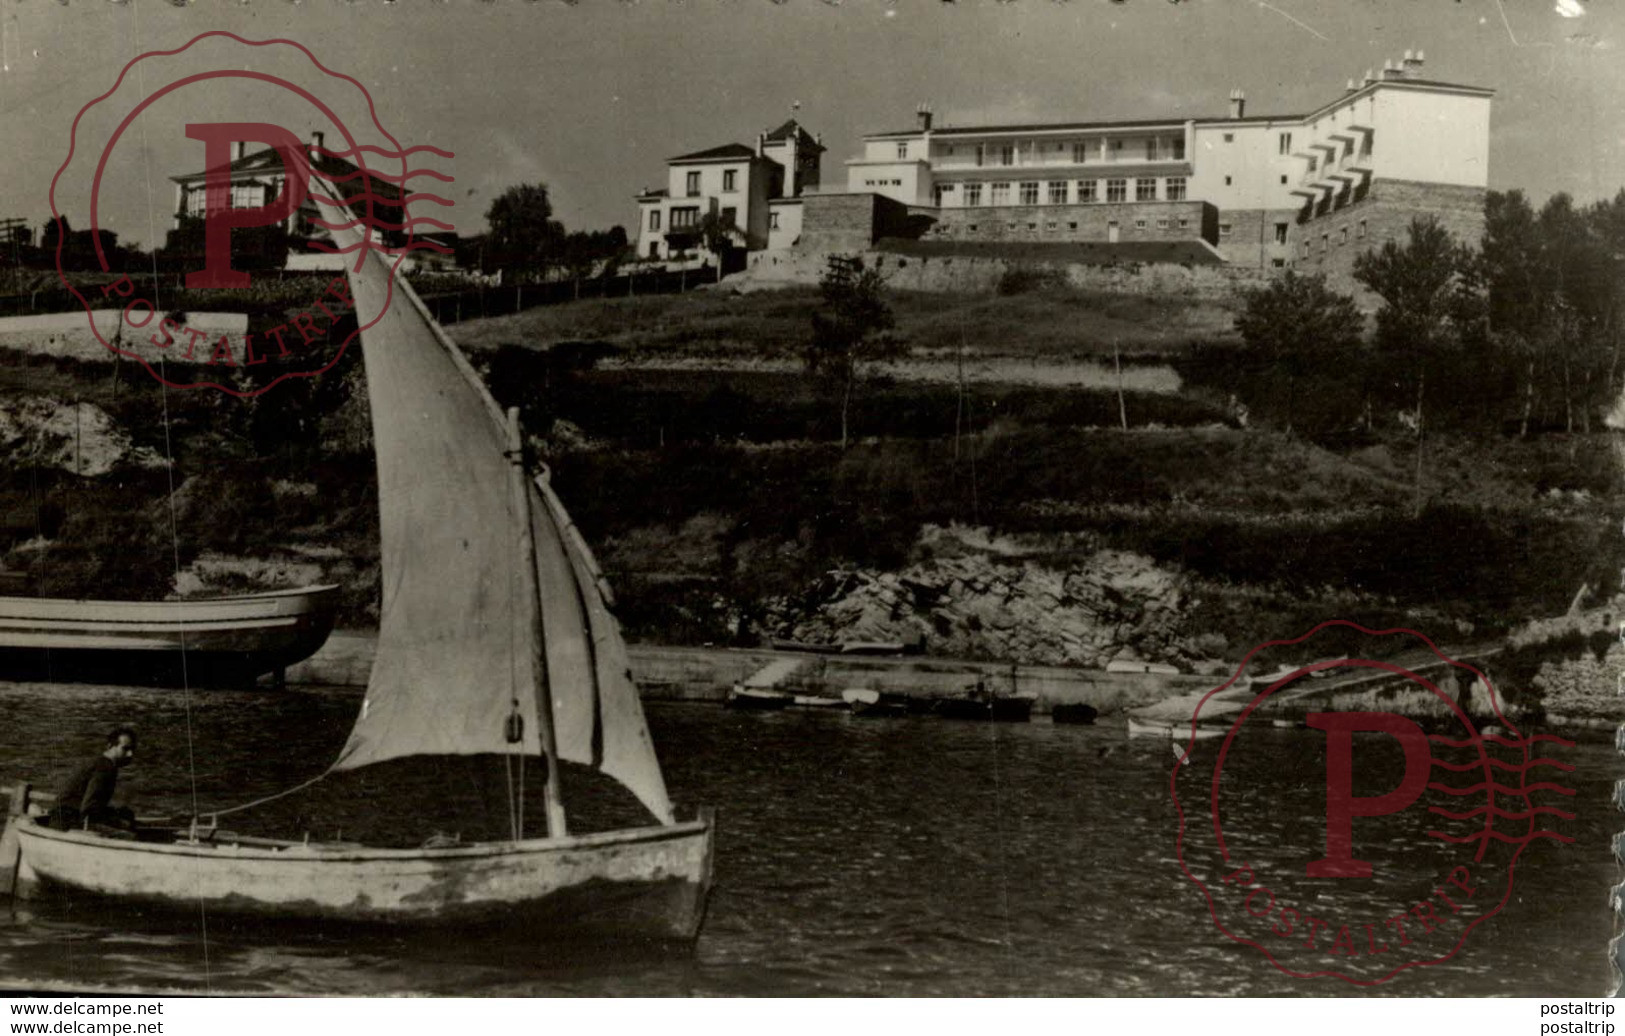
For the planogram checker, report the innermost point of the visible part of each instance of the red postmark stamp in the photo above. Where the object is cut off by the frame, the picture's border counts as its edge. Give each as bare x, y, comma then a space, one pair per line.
1408, 836
248, 287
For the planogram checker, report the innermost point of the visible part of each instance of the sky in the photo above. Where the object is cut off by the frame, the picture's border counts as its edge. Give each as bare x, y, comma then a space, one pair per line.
591, 98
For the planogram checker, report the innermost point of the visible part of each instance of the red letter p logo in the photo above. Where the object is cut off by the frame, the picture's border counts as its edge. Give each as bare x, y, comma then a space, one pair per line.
1342, 805
218, 215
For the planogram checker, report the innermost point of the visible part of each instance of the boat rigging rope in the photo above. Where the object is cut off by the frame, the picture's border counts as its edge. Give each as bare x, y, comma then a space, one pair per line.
261, 802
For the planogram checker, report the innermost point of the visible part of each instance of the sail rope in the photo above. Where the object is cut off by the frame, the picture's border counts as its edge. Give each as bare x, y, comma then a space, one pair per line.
260, 802
169, 468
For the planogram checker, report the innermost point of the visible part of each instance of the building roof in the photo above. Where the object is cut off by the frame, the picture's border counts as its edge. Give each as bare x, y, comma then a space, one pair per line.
792, 128
724, 152
1087, 253
1030, 127
1074, 126
269, 160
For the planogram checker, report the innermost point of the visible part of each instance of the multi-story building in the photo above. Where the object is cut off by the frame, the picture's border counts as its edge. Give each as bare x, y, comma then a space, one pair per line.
756, 189
1260, 190
257, 179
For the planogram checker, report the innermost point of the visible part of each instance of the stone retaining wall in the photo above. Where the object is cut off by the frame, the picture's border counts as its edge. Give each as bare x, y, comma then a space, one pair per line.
69, 335
979, 274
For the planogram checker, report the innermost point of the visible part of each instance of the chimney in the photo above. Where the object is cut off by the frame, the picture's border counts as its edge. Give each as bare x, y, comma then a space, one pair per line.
924, 114
1351, 87
316, 140
1369, 78
1238, 104
1391, 71
240, 149
1413, 65
761, 144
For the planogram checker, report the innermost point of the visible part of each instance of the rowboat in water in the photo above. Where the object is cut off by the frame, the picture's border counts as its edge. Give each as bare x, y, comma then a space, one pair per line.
1176, 731
201, 642
496, 638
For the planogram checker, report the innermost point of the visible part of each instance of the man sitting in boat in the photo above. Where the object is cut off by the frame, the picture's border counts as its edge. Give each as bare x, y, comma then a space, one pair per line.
87, 796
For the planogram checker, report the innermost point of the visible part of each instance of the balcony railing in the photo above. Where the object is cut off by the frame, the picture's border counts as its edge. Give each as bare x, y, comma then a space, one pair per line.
957, 163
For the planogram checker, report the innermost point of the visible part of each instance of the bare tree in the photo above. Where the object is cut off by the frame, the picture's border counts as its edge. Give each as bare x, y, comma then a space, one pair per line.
851, 328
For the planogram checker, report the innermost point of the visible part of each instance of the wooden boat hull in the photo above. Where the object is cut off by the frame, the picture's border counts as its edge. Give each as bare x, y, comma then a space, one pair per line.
752, 700
648, 883
223, 640
1172, 731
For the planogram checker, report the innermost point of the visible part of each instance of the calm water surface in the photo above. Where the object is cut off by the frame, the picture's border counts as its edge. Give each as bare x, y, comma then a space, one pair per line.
909, 856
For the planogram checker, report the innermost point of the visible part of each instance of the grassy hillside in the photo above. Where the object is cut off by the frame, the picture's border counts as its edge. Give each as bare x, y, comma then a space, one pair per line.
1047, 322
708, 494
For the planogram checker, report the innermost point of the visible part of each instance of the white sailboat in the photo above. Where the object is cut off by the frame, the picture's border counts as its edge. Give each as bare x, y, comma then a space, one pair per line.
496, 636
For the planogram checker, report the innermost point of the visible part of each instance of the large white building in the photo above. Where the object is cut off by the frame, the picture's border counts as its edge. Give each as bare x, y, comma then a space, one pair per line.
1260, 190
756, 189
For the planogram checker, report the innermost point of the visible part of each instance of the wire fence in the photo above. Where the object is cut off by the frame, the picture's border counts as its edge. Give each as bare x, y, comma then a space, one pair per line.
469, 302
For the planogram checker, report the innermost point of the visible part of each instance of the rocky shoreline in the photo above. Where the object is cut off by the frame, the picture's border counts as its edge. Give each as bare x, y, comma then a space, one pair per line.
704, 674
969, 595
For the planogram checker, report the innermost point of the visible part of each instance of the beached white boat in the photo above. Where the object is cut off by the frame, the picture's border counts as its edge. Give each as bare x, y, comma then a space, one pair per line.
1176, 731
866, 701
496, 637
211, 640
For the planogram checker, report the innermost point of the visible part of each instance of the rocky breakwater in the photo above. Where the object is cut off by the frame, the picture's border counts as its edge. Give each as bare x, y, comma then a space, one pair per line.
969, 595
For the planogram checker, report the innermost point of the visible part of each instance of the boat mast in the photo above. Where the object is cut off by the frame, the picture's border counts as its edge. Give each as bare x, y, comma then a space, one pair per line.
531, 592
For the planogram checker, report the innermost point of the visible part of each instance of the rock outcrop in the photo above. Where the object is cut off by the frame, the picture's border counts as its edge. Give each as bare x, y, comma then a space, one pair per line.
75, 437
970, 597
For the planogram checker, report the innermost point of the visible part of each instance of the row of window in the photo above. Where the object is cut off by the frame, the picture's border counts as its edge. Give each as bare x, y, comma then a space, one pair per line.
689, 215
1326, 239
1061, 192
1031, 152
243, 196
1082, 151
1164, 223
691, 182
1226, 229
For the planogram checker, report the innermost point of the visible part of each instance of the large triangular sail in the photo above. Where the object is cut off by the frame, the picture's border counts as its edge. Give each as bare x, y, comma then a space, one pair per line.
455, 632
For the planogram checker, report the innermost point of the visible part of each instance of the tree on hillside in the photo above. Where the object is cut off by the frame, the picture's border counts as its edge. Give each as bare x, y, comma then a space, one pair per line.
850, 329
584, 252
1511, 263
1607, 223
1297, 327
524, 235
1420, 284
1556, 283
718, 232
1577, 291
1427, 288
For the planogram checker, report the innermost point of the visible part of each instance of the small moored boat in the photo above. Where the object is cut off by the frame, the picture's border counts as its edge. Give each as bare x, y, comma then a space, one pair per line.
758, 699
874, 704
1176, 731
